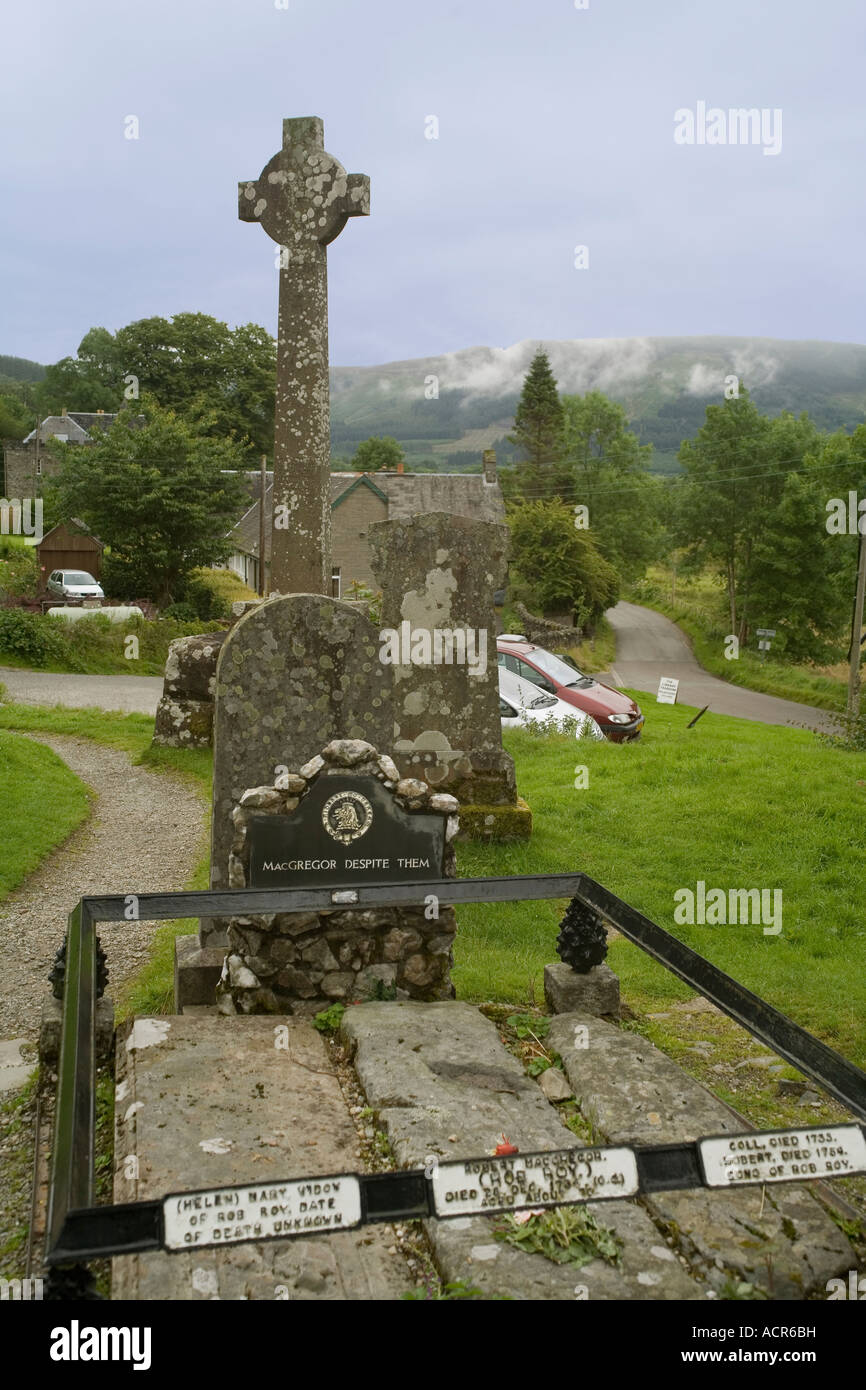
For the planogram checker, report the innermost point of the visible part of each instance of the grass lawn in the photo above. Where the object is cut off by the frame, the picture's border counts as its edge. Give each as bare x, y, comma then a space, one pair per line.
130, 732
737, 804
42, 802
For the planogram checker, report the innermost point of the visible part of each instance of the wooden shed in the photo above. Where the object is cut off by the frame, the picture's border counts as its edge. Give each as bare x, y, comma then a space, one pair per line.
69, 546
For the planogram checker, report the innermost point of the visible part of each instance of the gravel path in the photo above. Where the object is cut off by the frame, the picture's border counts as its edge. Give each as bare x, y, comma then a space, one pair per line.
145, 834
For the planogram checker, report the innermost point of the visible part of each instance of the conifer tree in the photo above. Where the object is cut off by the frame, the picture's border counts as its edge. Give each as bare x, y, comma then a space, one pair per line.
538, 423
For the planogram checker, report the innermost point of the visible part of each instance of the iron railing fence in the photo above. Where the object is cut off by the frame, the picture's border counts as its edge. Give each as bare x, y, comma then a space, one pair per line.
78, 1231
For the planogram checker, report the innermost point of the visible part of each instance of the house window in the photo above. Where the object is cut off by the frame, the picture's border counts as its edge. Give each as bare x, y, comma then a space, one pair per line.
335, 583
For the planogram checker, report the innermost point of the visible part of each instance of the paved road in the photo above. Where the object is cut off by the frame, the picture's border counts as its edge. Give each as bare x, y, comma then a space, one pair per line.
649, 646
130, 694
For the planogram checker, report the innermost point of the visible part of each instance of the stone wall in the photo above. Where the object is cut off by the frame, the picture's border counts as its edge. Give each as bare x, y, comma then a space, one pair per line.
300, 962
544, 631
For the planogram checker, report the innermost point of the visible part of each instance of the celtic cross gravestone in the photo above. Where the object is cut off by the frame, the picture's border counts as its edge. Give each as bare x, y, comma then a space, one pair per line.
303, 199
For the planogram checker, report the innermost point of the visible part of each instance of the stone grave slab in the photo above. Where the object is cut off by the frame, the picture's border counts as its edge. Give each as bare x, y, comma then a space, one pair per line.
208, 1101
776, 1238
443, 1085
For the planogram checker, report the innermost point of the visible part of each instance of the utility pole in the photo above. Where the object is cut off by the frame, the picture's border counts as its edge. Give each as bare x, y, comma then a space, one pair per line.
263, 487
856, 627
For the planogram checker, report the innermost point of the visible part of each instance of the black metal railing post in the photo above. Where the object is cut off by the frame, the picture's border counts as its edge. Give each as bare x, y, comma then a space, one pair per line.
72, 1159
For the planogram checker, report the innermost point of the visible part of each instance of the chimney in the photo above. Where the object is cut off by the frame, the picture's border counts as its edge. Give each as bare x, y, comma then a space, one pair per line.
400, 468
100, 412
63, 410
488, 460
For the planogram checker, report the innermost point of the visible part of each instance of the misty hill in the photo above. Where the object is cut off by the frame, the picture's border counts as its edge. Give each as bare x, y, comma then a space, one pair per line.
665, 385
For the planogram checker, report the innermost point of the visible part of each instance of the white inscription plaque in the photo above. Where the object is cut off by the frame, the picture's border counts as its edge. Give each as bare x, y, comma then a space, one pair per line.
834, 1151
225, 1215
533, 1180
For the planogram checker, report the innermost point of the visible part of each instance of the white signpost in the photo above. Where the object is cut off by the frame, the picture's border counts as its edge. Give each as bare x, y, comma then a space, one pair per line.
765, 633
668, 688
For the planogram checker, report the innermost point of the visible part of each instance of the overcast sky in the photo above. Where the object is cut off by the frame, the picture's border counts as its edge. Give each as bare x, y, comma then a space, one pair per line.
556, 129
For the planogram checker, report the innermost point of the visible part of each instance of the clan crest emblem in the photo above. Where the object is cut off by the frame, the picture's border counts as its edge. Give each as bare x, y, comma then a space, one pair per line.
347, 816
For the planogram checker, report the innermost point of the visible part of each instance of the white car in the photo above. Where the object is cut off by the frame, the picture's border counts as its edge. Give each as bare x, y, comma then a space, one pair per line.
521, 703
73, 584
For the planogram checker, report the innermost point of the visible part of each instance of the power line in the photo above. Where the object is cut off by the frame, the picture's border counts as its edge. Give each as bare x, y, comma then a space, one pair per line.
540, 492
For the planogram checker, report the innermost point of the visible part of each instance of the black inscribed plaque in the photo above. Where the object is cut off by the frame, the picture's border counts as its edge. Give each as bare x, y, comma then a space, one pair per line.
347, 830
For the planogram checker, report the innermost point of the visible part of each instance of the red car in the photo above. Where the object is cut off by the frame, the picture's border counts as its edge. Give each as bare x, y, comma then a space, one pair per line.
616, 714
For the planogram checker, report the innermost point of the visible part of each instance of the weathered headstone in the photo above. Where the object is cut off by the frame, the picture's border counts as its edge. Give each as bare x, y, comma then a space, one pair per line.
345, 818
438, 574
184, 716
294, 673
303, 198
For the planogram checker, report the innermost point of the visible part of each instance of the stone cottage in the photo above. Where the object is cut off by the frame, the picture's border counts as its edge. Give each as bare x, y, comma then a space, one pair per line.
27, 462
360, 499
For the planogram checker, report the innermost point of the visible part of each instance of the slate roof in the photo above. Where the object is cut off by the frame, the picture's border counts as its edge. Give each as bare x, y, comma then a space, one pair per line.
408, 494
75, 423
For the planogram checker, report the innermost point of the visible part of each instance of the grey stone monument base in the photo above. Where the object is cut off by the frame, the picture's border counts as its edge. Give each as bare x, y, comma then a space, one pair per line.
302, 962
51, 1026
566, 992
501, 822
197, 970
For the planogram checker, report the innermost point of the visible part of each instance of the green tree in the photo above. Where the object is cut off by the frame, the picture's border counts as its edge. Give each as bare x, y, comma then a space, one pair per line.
221, 380
538, 424
751, 506
157, 493
608, 468
561, 566
377, 452
16, 419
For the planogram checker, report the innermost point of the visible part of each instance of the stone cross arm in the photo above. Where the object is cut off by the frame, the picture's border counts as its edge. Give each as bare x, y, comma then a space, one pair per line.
303, 195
